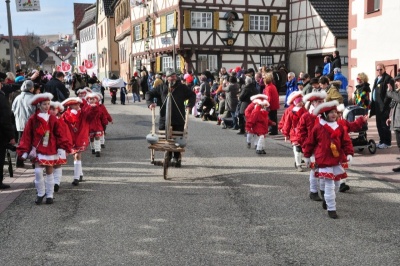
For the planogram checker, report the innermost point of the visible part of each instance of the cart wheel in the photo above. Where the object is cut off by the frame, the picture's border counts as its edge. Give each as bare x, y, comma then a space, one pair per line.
360, 149
372, 146
166, 164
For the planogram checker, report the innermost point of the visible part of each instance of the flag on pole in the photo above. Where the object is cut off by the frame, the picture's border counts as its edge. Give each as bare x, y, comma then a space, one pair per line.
88, 64
82, 69
66, 67
58, 69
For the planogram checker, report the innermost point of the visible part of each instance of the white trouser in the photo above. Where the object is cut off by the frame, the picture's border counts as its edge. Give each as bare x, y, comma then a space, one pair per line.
97, 145
249, 137
44, 185
261, 143
297, 156
331, 188
103, 139
77, 169
57, 172
91, 145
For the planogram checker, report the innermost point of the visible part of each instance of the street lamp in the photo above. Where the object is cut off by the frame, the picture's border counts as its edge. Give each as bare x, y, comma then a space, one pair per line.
104, 52
173, 31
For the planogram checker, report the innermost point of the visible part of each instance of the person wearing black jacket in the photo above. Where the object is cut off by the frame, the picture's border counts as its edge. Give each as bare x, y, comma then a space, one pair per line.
6, 133
248, 90
180, 94
380, 106
56, 87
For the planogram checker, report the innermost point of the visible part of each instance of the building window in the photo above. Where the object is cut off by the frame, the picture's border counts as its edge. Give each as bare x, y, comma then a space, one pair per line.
373, 5
7, 51
266, 60
259, 23
138, 32
170, 21
201, 20
207, 62
166, 63
344, 60
150, 28
177, 62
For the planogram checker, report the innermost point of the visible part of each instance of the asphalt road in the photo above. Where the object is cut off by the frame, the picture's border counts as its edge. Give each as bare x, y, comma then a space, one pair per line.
225, 206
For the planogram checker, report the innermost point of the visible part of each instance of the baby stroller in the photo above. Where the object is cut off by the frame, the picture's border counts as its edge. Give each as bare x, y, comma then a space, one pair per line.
351, 113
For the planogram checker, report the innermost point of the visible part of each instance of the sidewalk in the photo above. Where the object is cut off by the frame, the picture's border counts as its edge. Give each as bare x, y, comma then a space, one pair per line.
378, 165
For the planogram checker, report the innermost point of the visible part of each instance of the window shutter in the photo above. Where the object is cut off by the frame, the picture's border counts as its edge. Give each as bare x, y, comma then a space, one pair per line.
163, 24
182, 59
246, 23
175, 19
158, 64
187, 20
274, 23
216, 20
153, 25
144, 27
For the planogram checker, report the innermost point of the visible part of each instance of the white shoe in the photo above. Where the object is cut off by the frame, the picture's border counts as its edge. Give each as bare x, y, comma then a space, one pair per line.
383, 146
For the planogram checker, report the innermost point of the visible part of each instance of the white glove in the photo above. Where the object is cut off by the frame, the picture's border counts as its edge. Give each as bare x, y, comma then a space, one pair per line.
349, 159
61, 153
308, 162
24, 156
32, 153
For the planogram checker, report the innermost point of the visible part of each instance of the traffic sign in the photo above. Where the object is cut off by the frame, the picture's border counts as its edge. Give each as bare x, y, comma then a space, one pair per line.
38, 55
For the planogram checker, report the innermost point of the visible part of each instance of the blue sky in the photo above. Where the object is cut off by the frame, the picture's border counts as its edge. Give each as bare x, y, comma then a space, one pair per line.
55, 17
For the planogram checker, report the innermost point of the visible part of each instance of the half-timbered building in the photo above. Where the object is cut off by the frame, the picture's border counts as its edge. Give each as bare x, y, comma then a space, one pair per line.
210, 33
122, 17
317, 28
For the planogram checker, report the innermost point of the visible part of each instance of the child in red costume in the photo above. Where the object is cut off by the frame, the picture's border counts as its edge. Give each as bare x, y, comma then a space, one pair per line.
251, 136
257, 120
82, 95
42, 139
96, 129
78, 121
105, 119
56, 109
355, 126
332, 147
304, 127
290, 125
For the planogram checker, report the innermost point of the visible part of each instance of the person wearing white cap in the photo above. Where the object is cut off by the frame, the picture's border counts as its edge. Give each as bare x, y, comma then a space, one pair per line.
304, 127
332, 147
41, 141
56, 109
257, 120
95, 127
289, 128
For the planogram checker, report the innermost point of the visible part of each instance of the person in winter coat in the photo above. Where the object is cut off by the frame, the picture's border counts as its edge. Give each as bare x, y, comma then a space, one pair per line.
78, 122
144, 85
304, 127
273, 98
135, 87
23, 110
44, 140
248, 90
56, 87
257, 121
394, 118
291, 86
290, 127
380, 106
362, 91
231, 90
6, 134
332, 147
180, 93
332, 90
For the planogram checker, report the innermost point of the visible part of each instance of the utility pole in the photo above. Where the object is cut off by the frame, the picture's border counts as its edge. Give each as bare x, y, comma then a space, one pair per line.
10, 38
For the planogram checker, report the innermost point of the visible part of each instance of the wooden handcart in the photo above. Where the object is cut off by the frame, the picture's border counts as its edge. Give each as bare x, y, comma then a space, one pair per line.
168, 141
